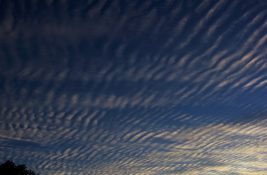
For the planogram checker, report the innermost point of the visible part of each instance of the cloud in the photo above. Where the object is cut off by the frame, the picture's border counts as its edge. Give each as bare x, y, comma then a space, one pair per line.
113, 87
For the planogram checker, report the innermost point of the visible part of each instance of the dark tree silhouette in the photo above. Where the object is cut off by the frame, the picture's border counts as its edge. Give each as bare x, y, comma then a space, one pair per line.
10, 168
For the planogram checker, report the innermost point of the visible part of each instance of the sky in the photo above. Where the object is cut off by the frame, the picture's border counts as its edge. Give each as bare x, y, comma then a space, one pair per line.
134, 87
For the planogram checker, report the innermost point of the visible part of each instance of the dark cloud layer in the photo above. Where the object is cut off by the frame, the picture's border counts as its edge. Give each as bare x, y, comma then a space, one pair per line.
134, 87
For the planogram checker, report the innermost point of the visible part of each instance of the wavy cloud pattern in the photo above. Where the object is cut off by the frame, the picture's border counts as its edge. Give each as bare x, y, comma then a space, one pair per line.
134, 87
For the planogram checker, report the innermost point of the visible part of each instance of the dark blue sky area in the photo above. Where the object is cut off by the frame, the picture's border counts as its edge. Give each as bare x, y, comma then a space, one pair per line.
134, 87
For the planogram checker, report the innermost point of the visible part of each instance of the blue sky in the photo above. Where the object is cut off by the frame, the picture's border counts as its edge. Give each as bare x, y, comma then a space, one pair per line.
134, 87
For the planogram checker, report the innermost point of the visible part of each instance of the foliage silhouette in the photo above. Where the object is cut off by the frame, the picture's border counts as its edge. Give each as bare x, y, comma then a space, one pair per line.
10, 168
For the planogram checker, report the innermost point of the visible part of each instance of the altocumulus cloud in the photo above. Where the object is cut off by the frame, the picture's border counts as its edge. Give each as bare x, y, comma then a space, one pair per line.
134, 87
